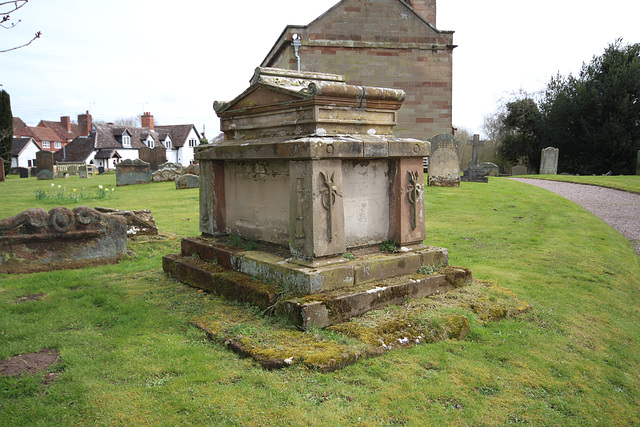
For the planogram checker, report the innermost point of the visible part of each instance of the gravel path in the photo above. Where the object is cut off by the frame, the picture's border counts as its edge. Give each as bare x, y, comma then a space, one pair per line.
619, 209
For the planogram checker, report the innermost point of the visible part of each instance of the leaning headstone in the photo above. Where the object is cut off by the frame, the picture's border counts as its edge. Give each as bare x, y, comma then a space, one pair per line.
489, 169
45, 174
187, 181
638, 164
519, 170
37, 240
473, 173
132, 172
549, 161
44, 160
139, 223
444, 162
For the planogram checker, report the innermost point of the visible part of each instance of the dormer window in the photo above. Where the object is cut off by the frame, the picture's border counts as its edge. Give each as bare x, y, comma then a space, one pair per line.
126, 141
167, 142
151, 143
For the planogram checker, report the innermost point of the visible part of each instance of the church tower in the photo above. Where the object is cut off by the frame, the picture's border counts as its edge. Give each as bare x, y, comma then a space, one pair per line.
425, 8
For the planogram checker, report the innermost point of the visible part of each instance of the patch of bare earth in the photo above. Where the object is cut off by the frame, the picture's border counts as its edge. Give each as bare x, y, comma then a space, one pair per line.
30, 363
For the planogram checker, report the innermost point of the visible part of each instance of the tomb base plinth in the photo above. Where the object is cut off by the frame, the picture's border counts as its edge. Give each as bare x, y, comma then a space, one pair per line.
330, 292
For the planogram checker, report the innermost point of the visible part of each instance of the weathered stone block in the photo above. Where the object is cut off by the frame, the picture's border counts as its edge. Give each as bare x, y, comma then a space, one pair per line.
187, 181
444, 163
45, 174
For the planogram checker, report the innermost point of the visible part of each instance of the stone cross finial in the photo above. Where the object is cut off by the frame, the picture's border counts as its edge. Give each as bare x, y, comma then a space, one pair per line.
475, 143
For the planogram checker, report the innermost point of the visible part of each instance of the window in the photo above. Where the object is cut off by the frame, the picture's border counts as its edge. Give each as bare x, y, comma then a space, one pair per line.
151, 143
193, 142
167, 143
57, 144
126, 141
46, 144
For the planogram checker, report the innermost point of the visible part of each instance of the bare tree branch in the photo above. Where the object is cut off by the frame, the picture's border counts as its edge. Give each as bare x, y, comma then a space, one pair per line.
17, 4
37, 36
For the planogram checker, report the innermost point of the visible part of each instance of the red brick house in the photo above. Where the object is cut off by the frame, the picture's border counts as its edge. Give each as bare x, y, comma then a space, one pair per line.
387, 43
53, 136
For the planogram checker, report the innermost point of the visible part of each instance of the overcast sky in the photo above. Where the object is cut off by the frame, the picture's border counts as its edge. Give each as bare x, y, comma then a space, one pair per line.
118, 58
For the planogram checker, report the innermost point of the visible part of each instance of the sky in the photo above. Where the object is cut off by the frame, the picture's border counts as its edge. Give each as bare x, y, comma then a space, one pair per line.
120, 58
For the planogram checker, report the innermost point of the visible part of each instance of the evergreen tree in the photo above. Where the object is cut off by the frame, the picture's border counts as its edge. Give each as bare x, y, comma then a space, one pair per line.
520, 134
6, 130
594, 119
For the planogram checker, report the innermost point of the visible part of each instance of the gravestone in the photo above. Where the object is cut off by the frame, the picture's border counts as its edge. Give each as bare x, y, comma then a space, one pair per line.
45, 174
444, 163
519, 170
187, 181
44, 160
549, 161
23, 172
473, 173
37, 240
132, 172
638, 164
310, 171
489, 169
2, 170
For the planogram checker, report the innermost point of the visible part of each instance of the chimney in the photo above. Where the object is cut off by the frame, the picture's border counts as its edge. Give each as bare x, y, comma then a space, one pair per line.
147, 120
85, 123
66, 123
425, 8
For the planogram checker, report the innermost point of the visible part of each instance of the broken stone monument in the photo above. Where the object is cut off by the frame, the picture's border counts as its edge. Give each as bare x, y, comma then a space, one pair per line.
132, 172
549, 161
473, 173
306, 189
139, 223
444, 163
37, 240
167, 172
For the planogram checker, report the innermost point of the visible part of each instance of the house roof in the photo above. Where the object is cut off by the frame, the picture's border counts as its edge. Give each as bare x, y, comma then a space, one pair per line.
179, 134
20, 144
77, 150
20, 128
60, 129
45, 134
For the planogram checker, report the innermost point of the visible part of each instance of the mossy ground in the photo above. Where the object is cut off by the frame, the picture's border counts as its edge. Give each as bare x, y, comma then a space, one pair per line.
275, 343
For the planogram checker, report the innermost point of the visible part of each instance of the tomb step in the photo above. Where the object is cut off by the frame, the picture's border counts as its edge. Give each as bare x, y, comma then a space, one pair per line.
219, 280
326, 309
317, 310
321, 276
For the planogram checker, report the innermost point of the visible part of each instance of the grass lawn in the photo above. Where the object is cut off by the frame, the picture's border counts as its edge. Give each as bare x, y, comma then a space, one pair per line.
621, 182
129, 355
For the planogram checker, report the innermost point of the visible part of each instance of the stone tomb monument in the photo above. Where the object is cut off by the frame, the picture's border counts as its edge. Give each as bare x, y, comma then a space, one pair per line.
549, 161
310, 170
444, 163
37, 240
474, 173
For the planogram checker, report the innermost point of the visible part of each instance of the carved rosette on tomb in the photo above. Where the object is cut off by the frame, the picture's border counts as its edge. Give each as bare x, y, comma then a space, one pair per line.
37, 240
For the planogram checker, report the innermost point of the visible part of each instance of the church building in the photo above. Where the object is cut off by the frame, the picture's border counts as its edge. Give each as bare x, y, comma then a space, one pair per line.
383, 43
